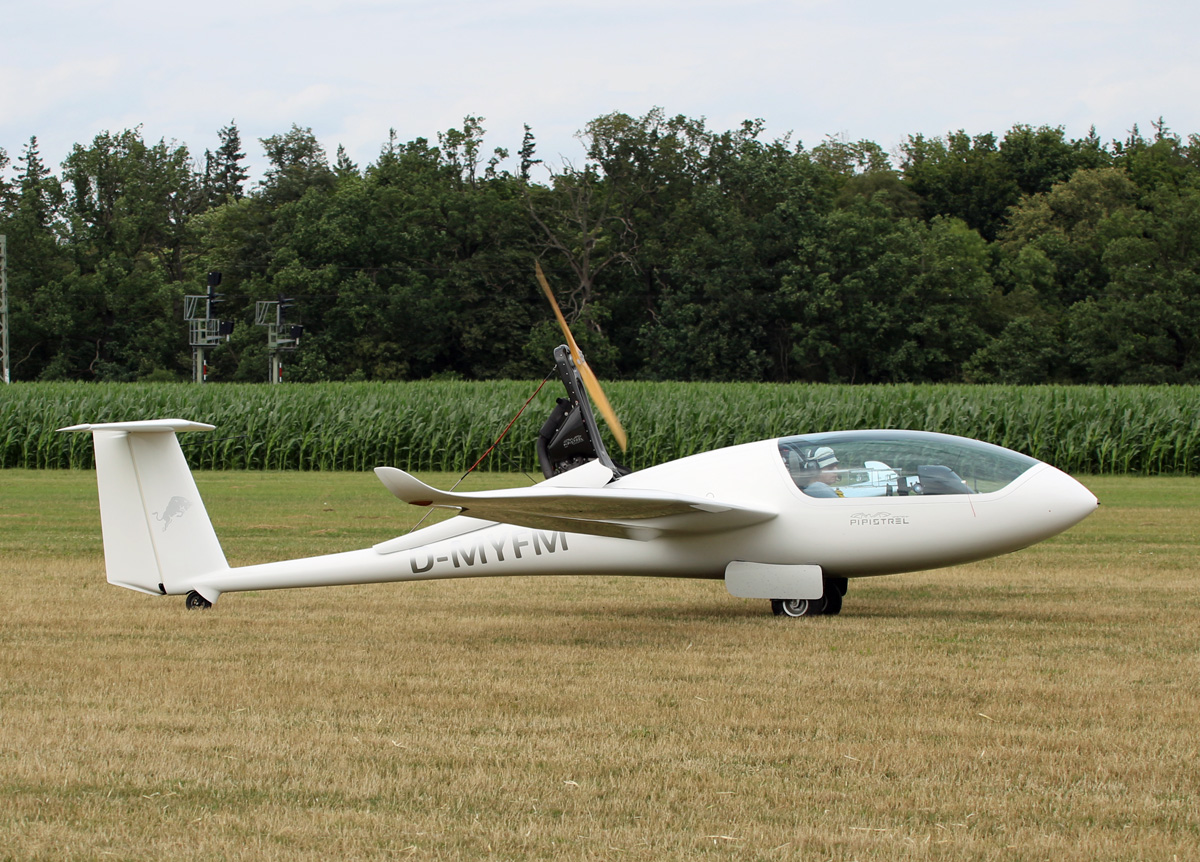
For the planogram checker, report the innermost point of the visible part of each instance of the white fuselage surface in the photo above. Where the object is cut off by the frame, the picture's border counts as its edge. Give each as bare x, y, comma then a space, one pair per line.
848, 536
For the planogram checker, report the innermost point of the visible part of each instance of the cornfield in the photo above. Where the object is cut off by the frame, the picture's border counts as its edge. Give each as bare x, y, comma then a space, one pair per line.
447, 425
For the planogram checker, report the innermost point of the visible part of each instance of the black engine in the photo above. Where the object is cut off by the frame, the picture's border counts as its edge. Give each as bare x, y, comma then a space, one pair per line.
570, 438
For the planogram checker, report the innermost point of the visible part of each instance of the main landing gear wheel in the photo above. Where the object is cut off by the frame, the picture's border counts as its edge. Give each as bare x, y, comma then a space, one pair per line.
829, 604
197, 602
798, 607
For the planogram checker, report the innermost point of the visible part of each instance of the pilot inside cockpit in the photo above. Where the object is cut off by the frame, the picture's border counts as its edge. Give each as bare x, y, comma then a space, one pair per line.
816, 472
887, 463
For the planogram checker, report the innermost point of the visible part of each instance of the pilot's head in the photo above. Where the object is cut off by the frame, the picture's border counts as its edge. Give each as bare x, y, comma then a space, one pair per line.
824, 462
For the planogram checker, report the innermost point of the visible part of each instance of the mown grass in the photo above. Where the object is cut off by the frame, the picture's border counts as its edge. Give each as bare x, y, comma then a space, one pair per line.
1038, 706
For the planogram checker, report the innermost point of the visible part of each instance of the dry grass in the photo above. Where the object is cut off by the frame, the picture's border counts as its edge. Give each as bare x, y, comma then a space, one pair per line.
1040, 706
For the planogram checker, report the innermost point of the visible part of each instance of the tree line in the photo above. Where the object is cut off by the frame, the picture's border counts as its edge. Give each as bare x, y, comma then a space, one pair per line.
678, 252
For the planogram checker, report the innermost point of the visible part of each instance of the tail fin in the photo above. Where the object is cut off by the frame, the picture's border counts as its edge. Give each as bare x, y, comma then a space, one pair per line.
157, 534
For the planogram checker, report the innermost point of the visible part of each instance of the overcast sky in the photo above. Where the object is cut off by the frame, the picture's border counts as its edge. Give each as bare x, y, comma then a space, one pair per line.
352, 69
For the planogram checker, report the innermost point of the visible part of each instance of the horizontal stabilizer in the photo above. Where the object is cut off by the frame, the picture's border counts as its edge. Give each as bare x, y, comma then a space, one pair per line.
607, 511
144, 426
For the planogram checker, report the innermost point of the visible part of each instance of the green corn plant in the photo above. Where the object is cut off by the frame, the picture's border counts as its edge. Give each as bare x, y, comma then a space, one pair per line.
447, 425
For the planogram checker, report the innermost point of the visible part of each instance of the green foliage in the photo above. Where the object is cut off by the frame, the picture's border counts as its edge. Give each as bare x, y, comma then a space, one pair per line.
963, 177
224, 175
678, 252
105, 305
720, 313
880, 299
445, 425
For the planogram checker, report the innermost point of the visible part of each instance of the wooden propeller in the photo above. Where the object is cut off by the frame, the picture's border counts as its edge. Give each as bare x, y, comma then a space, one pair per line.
589, 379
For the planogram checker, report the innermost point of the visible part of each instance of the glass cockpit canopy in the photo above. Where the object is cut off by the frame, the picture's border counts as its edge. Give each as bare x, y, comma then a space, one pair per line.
897, 463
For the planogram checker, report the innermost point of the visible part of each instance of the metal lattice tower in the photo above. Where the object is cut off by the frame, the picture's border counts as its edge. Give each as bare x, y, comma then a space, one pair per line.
271, 313
4, 365
204, 330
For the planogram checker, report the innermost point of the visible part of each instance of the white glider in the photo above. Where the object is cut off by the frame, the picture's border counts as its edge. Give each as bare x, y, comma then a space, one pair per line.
746, 514
790, 519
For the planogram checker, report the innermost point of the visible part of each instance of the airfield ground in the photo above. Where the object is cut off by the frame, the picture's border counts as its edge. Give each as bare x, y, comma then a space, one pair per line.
1044, 705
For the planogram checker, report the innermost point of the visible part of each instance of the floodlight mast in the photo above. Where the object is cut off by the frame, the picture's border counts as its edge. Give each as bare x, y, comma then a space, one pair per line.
204, 331
272, 314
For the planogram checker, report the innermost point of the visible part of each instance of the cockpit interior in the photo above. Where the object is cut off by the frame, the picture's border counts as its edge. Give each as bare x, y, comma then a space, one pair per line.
843, 464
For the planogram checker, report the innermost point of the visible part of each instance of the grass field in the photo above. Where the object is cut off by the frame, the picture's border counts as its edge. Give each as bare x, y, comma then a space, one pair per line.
1045, 705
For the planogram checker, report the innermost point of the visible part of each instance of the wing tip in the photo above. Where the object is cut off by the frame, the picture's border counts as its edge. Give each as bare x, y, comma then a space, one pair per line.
407, 487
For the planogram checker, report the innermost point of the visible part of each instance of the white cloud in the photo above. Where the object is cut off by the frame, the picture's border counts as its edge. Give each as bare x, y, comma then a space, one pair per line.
352, 69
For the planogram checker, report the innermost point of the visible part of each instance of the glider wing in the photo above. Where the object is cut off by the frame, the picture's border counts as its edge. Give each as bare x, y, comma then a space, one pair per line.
615, 512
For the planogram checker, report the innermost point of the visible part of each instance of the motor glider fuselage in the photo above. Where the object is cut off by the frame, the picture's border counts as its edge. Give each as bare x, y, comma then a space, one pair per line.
902, 501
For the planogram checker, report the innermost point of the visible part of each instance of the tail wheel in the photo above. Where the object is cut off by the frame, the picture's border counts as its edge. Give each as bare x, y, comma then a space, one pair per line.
197, 602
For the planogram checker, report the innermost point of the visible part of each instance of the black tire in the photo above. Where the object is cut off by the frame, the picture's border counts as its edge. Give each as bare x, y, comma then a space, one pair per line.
833, 602
197, 602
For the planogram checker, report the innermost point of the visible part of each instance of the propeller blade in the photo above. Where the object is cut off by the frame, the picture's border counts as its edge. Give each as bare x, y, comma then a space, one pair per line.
610, 416
562, 321
590, 383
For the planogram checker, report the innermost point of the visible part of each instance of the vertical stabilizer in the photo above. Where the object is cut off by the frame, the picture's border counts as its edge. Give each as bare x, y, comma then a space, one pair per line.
157, 533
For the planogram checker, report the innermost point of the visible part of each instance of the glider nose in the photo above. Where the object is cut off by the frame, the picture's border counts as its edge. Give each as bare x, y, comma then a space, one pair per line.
1065, 500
